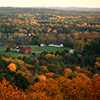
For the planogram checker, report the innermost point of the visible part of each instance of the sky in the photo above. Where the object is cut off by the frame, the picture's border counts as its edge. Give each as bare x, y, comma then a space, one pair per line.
50, 3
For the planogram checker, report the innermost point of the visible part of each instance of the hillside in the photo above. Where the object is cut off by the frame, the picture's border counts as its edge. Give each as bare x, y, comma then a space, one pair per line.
31, 71
78, 9
16, 10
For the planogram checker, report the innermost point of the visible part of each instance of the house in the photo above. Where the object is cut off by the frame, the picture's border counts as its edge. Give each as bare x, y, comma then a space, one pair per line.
25, 49
56, 45
51, 45
42, 45
13, 48
18, 48
72, 51
59, 45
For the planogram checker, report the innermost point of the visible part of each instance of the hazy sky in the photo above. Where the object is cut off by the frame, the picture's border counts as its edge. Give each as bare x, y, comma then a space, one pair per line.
50, 3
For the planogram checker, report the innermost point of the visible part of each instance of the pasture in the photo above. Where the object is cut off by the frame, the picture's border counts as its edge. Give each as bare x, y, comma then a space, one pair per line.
36, 49
47, 48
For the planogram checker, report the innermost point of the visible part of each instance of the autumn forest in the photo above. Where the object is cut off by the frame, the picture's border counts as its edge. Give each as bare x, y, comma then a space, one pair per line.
56, 75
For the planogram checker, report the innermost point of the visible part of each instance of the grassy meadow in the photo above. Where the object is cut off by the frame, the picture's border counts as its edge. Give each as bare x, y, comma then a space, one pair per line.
47, 48
36, 49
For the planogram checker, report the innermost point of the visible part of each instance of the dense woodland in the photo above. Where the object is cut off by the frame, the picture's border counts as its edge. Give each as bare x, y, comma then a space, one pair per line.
50, 75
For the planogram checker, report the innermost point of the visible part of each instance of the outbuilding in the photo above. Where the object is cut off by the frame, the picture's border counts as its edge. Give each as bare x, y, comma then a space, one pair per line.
42, 45
56, 45
71, 51
25, 50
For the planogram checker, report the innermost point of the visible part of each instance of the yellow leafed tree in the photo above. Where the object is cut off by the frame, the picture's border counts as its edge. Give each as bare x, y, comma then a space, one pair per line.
12, 67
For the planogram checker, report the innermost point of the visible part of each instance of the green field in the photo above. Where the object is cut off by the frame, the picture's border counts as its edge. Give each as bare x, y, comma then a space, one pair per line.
36, 49
3, 49
47, 48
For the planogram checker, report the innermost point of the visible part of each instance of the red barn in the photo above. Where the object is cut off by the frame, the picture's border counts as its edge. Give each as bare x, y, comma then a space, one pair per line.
25, 50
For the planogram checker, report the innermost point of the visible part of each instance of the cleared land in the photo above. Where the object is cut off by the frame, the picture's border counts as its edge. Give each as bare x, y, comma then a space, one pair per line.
36, 49
47, 48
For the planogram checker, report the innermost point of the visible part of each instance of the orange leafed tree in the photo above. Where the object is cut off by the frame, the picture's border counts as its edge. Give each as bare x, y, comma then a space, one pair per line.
12, 67
42, 77
9, 92
67, 72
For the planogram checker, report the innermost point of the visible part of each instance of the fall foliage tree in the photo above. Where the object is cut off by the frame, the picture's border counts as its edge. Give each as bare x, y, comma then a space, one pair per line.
12, 67
9, 92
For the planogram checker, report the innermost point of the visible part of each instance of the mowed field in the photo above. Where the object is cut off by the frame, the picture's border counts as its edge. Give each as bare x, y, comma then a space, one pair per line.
36, 49
47, 48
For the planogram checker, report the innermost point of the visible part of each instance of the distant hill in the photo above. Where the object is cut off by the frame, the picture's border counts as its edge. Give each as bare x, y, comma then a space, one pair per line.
77, 9
33, 10
44, 9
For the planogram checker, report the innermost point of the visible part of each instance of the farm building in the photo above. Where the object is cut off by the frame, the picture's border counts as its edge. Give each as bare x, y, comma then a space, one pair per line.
56, 45
18, 48
42, 45
72, 51
25, 50
14, 48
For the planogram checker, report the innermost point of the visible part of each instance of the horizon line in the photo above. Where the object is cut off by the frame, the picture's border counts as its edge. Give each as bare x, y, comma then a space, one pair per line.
46, 7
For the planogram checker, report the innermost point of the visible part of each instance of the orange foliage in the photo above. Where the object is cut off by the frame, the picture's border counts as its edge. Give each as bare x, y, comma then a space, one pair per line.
42, 77
95, 88
78, 25
37, 96
50, 88
37, 61
79, 88
81, 70
12, 67
24, 69
96, 76
97, 63
46, 34
67, 72
30, 40
17, 61
50, 74
44, 68
49, 29
50, 56
54, 31
98, 59
78, 68
94, 34
76, 35
8, 92
86, 34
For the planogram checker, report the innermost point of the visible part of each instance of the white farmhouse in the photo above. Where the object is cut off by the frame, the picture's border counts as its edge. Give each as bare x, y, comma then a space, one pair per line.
56, 45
